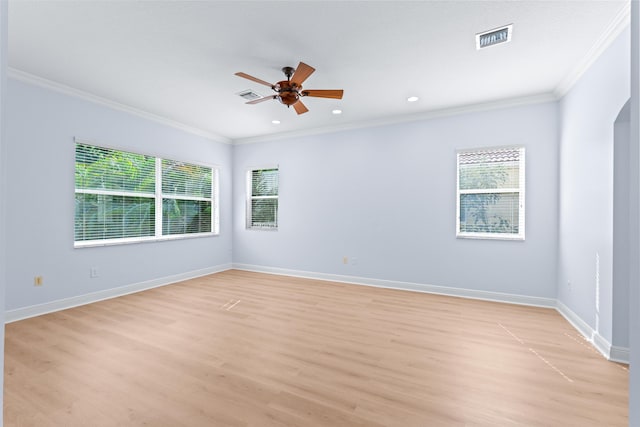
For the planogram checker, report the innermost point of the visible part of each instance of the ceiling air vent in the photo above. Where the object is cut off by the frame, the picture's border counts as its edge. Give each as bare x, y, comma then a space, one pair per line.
494, 37
249, 95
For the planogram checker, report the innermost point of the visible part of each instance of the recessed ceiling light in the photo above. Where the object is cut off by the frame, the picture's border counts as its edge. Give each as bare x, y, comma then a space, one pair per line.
336, 111
412, 98
275, 122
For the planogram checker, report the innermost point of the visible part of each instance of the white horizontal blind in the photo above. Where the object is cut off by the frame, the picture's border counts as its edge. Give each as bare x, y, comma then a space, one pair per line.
490, 200
262, 209
114, 194
123, 197
187, 198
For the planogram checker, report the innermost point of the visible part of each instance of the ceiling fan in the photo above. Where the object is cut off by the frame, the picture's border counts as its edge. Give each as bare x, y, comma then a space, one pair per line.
290, 91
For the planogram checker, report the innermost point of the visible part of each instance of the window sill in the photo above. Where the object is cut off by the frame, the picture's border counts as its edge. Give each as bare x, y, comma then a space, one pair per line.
262, 228
489, 236
116, 242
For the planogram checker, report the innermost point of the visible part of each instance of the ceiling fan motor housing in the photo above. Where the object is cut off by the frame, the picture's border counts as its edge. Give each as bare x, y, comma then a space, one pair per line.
288, 92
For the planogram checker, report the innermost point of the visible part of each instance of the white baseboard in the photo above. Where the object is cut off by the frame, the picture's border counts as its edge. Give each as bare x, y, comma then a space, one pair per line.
575, 320
611, 352
601, 344
63, 304
619, 354
407, 286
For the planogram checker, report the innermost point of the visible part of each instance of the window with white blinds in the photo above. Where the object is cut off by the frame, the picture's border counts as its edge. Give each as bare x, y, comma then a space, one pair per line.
490, 196
262, 198
186, 198
124, 197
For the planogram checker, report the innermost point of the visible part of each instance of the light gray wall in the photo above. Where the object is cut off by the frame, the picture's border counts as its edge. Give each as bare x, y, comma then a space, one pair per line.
634, 291
387, 196
622, 195
588, 113
3, 143
41, 126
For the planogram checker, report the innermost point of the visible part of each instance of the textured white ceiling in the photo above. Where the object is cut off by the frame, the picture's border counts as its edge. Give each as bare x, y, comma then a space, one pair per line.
177, 59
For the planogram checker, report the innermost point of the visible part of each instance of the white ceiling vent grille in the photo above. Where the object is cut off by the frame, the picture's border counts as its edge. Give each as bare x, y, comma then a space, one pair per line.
249, 95
494, 37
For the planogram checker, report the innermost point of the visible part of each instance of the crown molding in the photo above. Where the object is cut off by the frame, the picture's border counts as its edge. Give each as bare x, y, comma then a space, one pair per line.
615, 28
385, 121
77, 93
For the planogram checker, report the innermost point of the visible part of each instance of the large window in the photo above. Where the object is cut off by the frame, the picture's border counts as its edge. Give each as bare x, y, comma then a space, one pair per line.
262, 198
490, 197
126, 197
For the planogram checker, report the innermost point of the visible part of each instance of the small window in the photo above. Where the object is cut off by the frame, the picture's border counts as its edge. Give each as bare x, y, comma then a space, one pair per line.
490, 196
262, 198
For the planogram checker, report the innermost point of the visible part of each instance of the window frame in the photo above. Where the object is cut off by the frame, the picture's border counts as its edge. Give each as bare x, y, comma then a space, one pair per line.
157, 196
520, 190
250, 198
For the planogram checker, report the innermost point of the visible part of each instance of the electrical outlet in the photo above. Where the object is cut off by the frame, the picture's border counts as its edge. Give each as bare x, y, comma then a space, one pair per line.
354, 261
93, 272
345, 260
37, 281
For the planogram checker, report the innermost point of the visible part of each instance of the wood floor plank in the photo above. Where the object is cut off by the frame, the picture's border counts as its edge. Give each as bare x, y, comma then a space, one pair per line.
248, 349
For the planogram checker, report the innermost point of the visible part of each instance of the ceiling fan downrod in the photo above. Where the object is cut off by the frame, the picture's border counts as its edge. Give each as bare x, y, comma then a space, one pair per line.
288, 71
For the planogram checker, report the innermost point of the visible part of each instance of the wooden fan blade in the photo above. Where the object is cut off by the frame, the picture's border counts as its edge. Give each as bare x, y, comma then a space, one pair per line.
254, 79
259, 100
323, 93
302, 73
300, 107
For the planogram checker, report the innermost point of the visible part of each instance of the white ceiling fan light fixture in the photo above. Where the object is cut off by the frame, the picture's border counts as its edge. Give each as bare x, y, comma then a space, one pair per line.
336, 111
275, 122
412, 99
494, 37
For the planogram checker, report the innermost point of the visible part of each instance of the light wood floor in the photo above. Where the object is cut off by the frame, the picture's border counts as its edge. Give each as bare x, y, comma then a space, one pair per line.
247, 349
